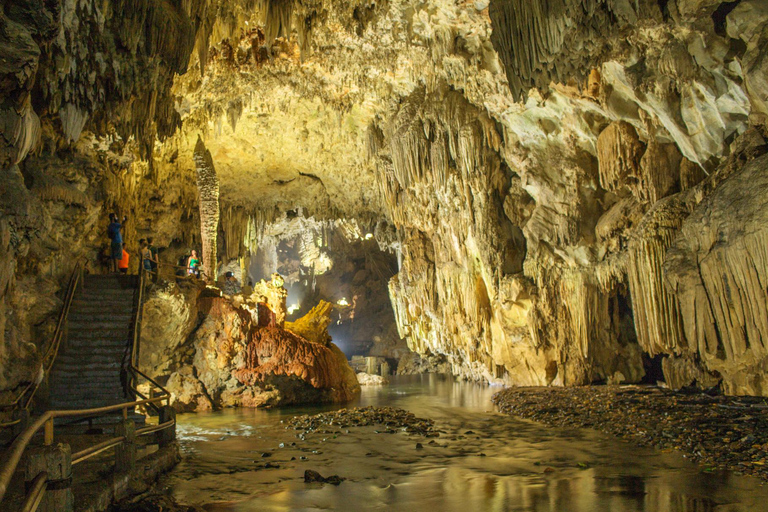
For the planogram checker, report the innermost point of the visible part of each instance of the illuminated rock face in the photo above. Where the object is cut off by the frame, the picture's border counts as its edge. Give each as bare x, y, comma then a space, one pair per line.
208, 188
230, 359
545, 172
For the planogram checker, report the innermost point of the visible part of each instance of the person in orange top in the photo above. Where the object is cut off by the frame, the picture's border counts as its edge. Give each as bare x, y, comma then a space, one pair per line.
122, 263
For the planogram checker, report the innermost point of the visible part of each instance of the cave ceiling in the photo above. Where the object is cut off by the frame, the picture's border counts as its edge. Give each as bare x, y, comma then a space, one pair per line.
529, 161
287, 123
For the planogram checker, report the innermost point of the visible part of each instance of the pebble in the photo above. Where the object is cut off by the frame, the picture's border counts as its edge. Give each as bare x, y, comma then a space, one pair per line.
313, 476
393, 419
718, 432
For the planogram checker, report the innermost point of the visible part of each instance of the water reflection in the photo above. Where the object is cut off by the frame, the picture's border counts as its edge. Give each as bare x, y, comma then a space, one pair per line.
484, 462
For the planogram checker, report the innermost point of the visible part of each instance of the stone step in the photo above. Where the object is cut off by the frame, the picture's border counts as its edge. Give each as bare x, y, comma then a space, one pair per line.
94, 355
85, 404
99, 334
111, 281
78, 317
101, 307
94, 392
118, 296
99, 324
95, 395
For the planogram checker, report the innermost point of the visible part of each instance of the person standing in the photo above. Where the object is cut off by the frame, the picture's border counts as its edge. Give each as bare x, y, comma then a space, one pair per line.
123, 263
113, 232
146, 256
154, 259
193, 263
153, 250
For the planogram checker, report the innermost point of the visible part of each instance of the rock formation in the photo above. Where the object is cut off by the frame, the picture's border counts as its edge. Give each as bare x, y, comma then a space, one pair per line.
569, 187
229, 357
208, 188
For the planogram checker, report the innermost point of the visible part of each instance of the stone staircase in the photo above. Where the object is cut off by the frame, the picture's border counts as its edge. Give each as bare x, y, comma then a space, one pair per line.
96, 346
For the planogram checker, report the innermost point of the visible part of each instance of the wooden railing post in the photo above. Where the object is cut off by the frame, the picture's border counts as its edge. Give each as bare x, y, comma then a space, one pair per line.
168, 435
57, 462
125, 453
48, 437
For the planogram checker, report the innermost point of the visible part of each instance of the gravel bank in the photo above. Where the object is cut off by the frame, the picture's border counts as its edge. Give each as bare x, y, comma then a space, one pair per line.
719, 432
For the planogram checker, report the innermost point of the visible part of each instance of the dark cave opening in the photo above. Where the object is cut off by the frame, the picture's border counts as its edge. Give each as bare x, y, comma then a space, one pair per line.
653, 369
348, 270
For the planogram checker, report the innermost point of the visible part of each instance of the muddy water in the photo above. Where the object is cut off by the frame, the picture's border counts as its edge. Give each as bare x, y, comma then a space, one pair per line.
484, 461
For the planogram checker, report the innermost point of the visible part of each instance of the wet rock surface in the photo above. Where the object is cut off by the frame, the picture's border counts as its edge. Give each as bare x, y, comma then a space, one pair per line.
718, 432
311, 476
391, 419
482, 460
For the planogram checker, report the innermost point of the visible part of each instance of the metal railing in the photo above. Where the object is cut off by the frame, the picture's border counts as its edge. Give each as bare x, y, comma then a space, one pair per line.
38, 484
49, 357
133, 362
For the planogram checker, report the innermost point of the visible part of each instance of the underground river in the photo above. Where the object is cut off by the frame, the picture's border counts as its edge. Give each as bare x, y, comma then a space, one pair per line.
244, 460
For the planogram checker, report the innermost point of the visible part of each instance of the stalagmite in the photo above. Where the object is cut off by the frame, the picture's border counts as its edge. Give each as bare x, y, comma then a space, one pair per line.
208, 188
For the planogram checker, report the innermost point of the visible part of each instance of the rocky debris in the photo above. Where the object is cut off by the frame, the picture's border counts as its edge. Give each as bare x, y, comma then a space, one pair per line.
154, 503
392, 418
366, 379
414, 364
719, 432
311, 476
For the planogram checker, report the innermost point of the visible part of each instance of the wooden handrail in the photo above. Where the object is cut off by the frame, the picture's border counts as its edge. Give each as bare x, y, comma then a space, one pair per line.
49, 357
13, 455
155, 428
36, 492
96, 449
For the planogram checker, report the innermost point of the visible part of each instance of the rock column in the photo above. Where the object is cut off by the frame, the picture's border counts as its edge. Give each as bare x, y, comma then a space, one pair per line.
208, 187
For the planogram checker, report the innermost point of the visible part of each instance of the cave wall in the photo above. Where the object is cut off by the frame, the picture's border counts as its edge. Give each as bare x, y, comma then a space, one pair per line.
555, 177
84, 96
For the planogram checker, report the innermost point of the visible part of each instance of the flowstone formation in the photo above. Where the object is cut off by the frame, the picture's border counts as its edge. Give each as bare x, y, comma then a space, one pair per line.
235, 353
561, 183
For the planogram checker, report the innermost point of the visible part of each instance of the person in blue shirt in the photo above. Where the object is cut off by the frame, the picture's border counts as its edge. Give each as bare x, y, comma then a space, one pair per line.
113, 232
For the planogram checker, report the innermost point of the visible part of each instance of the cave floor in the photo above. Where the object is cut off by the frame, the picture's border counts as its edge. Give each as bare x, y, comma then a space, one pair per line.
470, 458
717, 432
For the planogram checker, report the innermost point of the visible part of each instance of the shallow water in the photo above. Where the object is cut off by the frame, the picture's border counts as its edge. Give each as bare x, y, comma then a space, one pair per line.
525, 467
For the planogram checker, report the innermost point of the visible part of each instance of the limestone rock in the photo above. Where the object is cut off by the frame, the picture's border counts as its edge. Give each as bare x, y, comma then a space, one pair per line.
314, 325
366, 379
276, 355
187, 393
169, 317
414, 364
717, 266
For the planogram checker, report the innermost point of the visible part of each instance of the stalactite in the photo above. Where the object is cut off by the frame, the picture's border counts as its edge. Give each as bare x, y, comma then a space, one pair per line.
718, 267
208, 187
658, 322
618, 152
659, 172
543, 41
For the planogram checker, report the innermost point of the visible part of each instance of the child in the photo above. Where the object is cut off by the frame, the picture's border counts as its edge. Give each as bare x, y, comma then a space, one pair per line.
122, 264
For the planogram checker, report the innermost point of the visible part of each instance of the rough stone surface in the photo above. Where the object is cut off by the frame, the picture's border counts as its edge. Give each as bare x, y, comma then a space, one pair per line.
718, 432
231, 359
366, 379
531, 165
